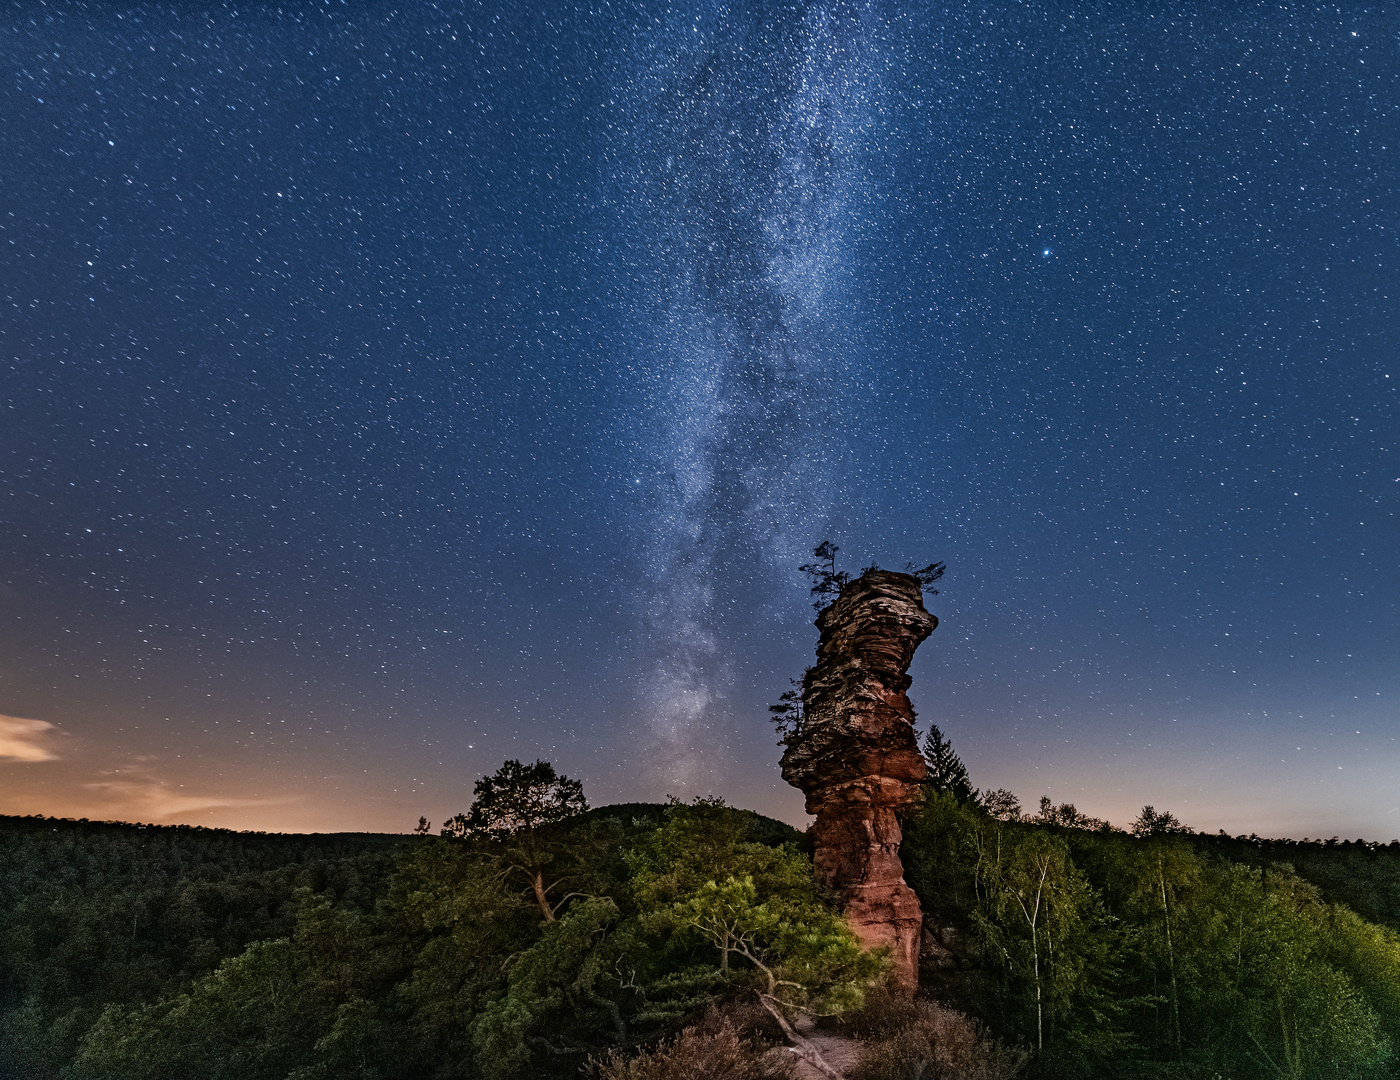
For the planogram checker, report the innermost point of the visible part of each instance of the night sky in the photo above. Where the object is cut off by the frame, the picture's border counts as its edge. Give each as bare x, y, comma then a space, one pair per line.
391, 390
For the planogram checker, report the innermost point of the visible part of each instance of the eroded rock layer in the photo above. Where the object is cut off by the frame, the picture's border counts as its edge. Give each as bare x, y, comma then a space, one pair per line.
856, 758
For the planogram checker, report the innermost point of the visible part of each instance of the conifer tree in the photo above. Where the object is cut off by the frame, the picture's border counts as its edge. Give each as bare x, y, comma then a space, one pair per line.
946, 771
513, 808
827, 581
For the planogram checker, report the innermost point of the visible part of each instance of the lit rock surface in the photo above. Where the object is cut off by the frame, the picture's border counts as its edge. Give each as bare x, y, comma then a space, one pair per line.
858, 762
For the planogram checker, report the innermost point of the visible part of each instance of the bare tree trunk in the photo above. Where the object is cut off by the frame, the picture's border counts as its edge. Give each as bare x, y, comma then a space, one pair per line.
1171, 960
1039, 1009
541, 898
801, 1046
1032, 918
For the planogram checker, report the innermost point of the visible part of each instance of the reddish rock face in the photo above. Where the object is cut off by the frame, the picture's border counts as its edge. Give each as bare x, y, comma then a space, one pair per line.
856, 759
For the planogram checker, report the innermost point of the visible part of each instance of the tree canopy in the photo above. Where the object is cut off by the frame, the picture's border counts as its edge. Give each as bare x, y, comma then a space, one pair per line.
143, 953
518, 798
513, 809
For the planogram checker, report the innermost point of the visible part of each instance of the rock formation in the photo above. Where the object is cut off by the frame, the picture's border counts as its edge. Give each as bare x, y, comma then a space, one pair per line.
855, 757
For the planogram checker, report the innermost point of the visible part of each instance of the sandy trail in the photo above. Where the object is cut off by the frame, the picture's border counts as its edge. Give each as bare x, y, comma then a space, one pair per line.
840, 1053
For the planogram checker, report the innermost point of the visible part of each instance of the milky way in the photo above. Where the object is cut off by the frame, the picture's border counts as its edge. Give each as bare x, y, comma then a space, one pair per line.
748, 135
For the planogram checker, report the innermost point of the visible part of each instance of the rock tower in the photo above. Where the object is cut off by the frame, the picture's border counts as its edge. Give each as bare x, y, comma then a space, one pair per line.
856, 759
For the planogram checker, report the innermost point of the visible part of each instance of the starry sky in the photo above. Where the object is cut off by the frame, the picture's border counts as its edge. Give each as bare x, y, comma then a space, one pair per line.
390, 390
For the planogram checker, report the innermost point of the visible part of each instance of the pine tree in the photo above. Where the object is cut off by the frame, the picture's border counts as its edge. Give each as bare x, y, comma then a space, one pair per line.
788, 714
946, 771
827, 581
513, 808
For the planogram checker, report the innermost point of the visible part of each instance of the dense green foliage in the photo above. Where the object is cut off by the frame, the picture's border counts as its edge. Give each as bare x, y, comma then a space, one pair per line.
1363, 876
133, 952
95, 914
1115, 955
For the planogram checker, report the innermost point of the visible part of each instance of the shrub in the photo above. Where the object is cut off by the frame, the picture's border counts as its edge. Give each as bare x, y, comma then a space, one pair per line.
714, 1049
882, 1015
934, 1043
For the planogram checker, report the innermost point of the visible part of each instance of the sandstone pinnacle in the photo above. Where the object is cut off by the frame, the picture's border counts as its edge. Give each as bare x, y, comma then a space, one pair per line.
856, 758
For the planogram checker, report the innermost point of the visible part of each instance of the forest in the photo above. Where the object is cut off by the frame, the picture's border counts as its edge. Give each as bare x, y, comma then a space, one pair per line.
533, 937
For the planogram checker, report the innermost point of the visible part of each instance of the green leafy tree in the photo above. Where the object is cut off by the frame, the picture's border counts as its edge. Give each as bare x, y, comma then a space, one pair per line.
513, 808
261, 1014
699, 878
1067, 816
1151, 823
1001, 804
1041, 923
1369, 956
562, 998
518, 799
806, 963
1238, 971
707, 841
1296, 1013
459, 921
807, 958
939, 862
1156, 889
247, 1019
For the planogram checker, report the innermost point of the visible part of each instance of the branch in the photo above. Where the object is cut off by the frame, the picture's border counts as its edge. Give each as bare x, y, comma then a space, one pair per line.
567, 898
742, 948
801, 1046
630, 981
610, 1007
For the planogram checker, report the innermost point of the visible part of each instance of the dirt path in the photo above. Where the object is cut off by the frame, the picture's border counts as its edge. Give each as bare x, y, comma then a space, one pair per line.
841, 1054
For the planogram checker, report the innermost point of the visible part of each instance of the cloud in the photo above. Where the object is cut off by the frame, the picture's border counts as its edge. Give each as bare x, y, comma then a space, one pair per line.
23, 740
146, 798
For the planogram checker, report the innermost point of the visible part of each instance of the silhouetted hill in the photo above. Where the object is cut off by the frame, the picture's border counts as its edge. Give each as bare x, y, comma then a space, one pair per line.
763, 830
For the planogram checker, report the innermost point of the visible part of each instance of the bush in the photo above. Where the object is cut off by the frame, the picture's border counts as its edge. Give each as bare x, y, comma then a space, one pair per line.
881, 1016
714, 1049
934, 1043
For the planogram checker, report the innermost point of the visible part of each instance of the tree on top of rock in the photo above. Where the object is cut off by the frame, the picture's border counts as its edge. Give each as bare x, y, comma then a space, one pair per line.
926, 575
827, 581
789, 715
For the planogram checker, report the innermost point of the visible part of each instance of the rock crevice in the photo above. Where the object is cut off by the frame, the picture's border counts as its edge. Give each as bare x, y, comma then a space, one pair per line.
856, 758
